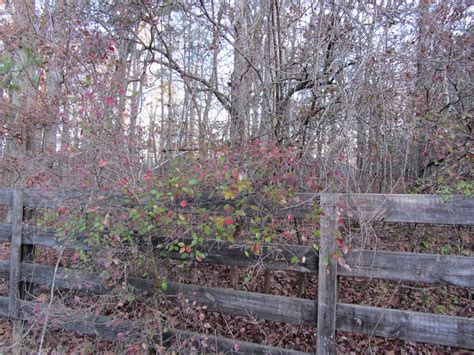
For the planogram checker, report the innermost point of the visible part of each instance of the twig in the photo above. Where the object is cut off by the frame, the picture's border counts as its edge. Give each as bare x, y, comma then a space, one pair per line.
168, 160
380, 318
51, 295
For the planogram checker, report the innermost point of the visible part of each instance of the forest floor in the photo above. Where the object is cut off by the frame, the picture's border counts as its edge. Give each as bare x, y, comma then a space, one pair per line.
437, 299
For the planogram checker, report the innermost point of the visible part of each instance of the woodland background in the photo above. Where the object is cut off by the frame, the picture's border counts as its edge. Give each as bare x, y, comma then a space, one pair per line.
372, 97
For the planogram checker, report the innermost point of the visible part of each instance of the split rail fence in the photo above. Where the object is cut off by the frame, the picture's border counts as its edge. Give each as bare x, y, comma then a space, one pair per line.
325, 313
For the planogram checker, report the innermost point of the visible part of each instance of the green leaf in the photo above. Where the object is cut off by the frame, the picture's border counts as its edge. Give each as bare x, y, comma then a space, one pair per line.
6, 64
190, 192
316, 247
12, 84
240, 213
255, 230
294, 260
82, 255
30, 56
426, 244
134, 214
445, 250
35, 79
464, 187
164, 285
207, 230
193, 182
325, 261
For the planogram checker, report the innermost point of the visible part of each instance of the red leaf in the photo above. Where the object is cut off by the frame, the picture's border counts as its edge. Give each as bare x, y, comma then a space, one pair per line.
290, 218
126, 163
102, 163
339, 243
341, 261
256, 248
198, 258
184, 203
228, 221
110, 101
345, 249
188, 249
123, 181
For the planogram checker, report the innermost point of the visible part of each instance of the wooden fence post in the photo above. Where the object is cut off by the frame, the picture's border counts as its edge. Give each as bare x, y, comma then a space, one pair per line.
327, 279
15, 264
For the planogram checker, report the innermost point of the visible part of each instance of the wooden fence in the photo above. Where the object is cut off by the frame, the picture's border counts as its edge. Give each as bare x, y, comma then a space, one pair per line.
325, 313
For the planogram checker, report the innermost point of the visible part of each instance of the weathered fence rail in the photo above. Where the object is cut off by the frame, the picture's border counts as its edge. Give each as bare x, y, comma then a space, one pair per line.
397, 266
406, 325
427, 268
326, 312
